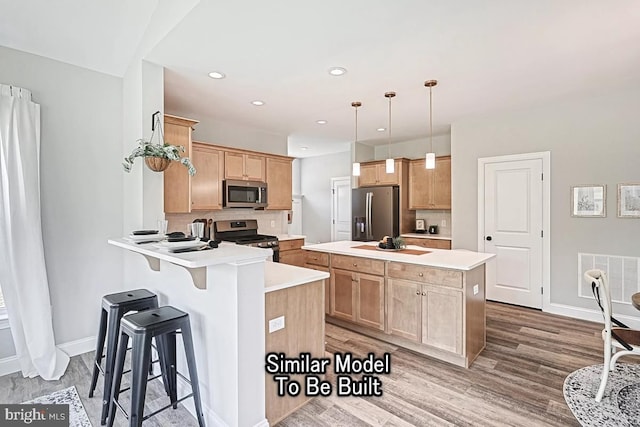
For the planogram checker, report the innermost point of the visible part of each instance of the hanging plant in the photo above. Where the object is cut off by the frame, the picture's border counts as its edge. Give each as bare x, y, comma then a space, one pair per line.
158, 156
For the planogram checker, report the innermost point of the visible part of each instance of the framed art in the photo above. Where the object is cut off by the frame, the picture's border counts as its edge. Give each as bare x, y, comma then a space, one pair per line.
628, 200
589, 201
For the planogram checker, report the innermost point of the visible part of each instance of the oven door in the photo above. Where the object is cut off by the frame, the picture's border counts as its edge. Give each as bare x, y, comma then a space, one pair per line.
244, 194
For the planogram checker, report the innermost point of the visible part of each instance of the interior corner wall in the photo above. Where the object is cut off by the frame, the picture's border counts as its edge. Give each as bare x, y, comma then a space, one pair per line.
315, 183
80, 181
593, 139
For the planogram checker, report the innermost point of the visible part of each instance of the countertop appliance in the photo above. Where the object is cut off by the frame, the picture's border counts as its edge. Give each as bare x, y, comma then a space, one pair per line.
433, 229
375, 212
245, 232
244, 194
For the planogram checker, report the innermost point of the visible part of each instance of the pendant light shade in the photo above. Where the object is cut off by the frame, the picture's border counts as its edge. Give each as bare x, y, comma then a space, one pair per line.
430, 158
355, 168
389, 164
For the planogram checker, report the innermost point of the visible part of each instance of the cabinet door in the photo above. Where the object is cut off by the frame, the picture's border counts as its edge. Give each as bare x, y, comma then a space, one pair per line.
368, 175
420, 185
343, 286
254, 167
385, 178
404, 300
442, 184
206, 191
234, 165
442, 318
370, 301
327, 287
428, 243
279, 177
176, 177
292, 257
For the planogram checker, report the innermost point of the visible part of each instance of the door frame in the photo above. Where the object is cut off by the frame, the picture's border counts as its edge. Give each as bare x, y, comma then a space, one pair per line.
333, 204
545, 156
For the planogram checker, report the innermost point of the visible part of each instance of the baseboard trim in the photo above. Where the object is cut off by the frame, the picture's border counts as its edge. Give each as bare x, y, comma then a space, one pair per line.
10, 364
210, 417
589, 314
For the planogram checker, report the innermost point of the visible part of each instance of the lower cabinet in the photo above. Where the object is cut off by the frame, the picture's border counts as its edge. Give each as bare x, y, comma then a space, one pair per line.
425, 313
319, 261
358, 297
428, 243
291, 252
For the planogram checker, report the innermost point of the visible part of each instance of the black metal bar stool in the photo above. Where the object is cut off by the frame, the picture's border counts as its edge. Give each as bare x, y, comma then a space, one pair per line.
114, 306
162, 323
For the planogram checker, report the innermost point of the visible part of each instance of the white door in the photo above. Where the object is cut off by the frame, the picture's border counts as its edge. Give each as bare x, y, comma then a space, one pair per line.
513, 227
341, 208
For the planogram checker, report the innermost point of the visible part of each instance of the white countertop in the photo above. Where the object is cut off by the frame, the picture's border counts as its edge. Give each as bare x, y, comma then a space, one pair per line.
427, 236
226, 253
289, 237
281, 276
440, 258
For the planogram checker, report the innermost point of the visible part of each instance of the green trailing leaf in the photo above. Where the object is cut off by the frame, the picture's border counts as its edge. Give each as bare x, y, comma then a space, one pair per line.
166, 151
398, 243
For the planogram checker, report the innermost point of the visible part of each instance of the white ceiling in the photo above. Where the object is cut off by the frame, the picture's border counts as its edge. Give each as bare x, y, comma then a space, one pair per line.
487, 55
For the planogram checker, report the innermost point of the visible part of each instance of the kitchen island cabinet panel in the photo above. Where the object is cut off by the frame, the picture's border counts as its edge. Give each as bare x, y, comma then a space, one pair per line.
343, 291
442, 318
370, 301
404, 309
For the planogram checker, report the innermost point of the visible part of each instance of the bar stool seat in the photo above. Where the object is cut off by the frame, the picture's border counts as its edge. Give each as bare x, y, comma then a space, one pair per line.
114, 307
163, 324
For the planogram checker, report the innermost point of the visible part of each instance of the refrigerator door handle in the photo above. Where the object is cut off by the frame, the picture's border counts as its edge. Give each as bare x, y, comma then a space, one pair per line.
370, 202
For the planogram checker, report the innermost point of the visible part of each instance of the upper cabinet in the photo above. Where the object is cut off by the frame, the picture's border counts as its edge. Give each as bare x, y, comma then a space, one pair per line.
244, 166
279, 183
430, 188
375, 173
177, 182
206, 185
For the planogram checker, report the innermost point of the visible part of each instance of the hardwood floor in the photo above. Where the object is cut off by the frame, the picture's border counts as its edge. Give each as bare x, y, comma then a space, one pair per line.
516, 381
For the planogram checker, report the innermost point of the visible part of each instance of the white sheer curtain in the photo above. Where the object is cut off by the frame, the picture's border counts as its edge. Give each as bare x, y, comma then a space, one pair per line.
23, 275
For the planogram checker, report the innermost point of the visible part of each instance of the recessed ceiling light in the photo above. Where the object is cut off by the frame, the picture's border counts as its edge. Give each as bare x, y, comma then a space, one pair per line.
304, 148
321, 122
217, 75
337, 71
381, 129
257, 102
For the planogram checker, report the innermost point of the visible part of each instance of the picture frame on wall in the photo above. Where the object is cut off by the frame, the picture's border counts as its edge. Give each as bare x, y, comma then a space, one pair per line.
589, 201
628, 200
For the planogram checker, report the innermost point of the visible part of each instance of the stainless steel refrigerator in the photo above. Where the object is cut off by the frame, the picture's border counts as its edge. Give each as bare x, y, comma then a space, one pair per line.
375, 212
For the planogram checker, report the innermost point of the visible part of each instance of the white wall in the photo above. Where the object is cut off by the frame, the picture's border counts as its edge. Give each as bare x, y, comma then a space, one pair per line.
593, 139
315, 180
415, 148
81, 183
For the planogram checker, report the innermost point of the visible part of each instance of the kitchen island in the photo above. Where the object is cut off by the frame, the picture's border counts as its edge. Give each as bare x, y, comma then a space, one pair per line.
226, 292
431, 301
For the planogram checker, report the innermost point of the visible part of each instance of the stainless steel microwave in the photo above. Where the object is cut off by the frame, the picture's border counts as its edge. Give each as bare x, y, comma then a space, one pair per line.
244, 194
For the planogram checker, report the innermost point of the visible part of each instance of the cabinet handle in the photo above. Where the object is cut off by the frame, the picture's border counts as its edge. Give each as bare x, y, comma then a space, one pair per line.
424, 293
420, 274
355, 265
417, 292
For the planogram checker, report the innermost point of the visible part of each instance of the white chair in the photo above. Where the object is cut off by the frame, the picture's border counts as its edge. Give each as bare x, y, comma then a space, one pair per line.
618, 342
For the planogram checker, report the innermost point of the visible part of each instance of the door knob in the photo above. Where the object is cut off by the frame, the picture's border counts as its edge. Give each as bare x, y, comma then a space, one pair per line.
488, 238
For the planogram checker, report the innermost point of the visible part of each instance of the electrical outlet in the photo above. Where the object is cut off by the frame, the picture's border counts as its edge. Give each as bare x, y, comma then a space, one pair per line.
443, 223
276, 324
273, 223
476, 289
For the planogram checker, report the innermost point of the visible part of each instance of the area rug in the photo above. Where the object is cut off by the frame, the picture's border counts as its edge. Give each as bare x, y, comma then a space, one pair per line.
77, 415
620, 406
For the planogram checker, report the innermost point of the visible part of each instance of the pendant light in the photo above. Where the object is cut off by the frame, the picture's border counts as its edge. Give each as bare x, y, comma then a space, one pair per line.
389, 164
356, 165
431, 156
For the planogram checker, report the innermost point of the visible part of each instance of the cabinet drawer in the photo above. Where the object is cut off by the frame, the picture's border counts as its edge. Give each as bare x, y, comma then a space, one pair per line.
422, 274
316, 258
365, 265
294, 257
287, 245
428, 243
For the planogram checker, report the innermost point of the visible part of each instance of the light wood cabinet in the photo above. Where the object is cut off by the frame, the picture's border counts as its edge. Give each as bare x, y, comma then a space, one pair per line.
206, 185
430, 188
343, 289
320, 261
291, 252
244, 166
428, 243
177, 181
370, 300
279, 181
375, 173
424, 313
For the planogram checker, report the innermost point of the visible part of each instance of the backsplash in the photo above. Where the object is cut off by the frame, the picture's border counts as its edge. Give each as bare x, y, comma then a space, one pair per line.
436, 217
269, 222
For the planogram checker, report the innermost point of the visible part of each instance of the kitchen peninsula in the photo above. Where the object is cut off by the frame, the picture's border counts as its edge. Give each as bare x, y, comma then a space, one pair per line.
231, 293
431, 301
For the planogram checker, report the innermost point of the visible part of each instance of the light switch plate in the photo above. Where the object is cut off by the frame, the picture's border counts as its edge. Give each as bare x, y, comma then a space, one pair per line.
276, 324
476, 289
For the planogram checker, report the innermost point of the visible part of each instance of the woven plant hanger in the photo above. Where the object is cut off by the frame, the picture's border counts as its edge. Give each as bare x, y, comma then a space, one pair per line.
157, 164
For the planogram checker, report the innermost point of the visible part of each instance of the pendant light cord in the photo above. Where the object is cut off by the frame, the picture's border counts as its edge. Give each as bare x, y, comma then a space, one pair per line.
430, 121
389, 137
